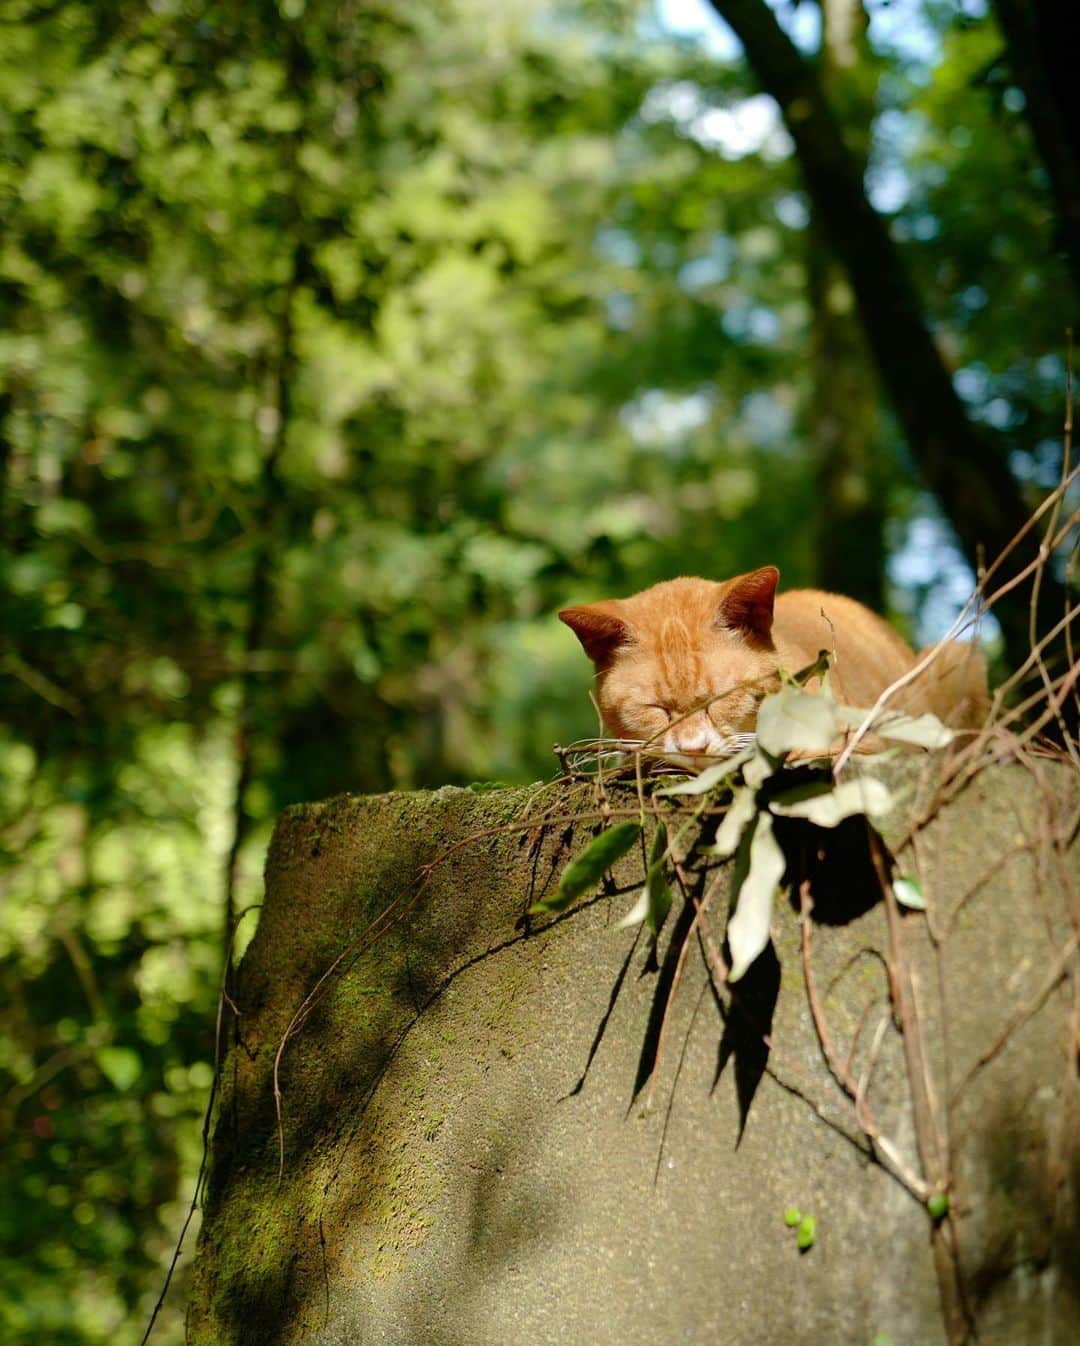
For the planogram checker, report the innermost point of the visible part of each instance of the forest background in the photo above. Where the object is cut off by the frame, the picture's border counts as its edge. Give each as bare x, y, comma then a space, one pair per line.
341, 343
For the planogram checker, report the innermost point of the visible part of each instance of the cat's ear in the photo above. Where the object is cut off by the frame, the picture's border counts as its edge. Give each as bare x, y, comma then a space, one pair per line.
600, 631
747, 604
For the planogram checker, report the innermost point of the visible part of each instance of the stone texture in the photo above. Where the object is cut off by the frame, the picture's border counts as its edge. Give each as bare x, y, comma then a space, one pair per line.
464, 1162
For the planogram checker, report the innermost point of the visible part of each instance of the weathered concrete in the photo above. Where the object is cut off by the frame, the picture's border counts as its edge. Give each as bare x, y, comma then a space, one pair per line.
463, 1164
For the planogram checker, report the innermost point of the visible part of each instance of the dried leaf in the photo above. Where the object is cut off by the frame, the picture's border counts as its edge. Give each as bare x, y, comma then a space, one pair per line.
590, 866
748, 929
637, 912
864, 794
740, 814
924, 731
759, 769
795, 721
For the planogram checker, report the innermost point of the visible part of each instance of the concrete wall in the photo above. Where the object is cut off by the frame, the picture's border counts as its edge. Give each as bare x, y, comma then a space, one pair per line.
465, 1163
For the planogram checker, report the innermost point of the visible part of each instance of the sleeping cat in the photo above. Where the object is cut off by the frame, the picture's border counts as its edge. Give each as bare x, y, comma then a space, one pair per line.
683, 665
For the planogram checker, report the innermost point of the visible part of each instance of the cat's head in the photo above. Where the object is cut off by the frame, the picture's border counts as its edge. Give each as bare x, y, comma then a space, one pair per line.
682, 666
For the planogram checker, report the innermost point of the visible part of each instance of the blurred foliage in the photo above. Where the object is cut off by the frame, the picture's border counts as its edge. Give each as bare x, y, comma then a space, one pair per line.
419, 320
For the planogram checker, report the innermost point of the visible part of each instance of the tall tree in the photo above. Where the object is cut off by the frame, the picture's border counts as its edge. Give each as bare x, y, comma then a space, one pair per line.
843, 411
963, 464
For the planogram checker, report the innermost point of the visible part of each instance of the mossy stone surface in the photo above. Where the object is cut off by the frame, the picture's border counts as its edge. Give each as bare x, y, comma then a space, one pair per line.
462, 1159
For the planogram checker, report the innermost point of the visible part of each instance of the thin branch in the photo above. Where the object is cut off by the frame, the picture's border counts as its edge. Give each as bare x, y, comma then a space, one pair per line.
855, 1090
40, 685
975, 601
200, 1179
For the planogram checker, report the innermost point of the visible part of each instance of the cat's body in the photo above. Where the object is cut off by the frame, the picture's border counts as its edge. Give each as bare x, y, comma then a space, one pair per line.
682, 666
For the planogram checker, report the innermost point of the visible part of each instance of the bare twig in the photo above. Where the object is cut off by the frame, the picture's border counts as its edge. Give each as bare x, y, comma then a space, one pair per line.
204, 1160
40, 684
856, 1090
933, 1156
976, 602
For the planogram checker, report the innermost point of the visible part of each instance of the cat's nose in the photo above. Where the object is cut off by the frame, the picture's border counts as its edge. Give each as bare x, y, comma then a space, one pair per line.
694, 743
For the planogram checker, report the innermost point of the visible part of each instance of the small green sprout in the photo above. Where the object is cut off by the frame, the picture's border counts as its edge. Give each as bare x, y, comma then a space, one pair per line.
806, 1233
938, 1206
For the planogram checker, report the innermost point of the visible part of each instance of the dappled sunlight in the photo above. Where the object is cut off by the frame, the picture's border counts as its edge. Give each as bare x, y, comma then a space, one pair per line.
342, 346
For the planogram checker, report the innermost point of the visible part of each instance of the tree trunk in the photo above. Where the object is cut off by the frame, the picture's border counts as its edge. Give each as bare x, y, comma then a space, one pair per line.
1042, 47
845, 428
964, 465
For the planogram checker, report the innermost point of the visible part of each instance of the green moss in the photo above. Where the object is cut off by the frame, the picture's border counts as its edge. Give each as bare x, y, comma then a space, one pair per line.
248, 1260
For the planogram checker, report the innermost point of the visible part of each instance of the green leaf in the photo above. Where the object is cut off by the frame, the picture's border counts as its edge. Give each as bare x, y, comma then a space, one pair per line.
712, 775
740, 814
909, 893
64, 516
806, 1232
121, 1066
590, 866
792, 1216
654, 902
795, 721
748, 929
864, 794
657, 890
938, 1206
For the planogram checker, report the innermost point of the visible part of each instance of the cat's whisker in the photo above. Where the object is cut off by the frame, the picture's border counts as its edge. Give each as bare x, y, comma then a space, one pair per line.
587, 755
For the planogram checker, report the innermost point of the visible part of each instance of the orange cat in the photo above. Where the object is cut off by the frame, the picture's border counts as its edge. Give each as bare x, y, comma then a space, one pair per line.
683, 665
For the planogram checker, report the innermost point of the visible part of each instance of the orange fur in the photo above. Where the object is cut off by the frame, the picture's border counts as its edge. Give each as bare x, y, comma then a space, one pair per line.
683, 665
